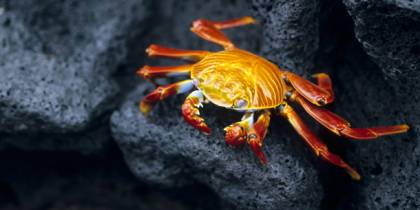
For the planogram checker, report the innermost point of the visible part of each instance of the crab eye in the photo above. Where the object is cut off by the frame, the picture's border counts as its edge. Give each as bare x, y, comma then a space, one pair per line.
321, 101
241, 103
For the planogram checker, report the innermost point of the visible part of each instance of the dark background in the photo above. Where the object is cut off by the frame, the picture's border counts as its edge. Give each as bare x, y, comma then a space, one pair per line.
71, 135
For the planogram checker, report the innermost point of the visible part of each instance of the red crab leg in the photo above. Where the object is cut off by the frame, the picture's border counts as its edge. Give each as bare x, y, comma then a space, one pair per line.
192, 114
257, 134
210, 30
324, 81
312, 140
150, 72
160, 51
236, 134
163, 92
313, 93
233, 22
340, 126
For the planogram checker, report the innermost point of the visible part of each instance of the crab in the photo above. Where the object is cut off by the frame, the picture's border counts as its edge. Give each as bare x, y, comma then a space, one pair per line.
240, 80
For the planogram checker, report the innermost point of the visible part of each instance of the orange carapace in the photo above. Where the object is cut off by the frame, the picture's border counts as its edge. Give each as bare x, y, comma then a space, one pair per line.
239, 80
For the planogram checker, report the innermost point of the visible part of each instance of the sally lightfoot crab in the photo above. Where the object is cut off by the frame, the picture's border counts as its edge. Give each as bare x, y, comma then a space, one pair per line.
242, 81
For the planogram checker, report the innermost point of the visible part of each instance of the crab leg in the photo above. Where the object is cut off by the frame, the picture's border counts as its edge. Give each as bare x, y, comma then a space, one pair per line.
210, 30
312, 140
324, 81
316, 94
150, 72
192, 114
340, 126
162, 92
233, 22
160, 51
257, 134
236, 133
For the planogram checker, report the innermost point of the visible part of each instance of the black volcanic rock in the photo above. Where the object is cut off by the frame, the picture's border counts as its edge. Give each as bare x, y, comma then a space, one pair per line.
389, 32
164, 149
290, 32
57, 59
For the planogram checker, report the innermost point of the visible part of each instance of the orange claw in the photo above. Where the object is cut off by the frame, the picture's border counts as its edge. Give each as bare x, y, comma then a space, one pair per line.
313, 93
191, 113
324, 81
236, 134
312, 140
257, 134
340, 126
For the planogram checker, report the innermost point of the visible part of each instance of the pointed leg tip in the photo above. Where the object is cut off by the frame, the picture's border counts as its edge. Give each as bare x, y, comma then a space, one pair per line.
145, 108
316, 75
354, 175
149, 50
263, 161
145, 113
405, 127
397, 129
206, 130
249, 19
199, 124
389, 130
143, 72
256, 147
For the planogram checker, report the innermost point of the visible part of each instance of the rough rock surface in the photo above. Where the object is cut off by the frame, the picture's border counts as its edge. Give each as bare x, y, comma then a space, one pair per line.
290, 32
164, 149
389, 32
57, 60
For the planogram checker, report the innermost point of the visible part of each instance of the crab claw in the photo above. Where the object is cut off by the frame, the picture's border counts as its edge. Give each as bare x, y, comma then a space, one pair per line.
192, 114
255, 142
235, 135
257, 134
